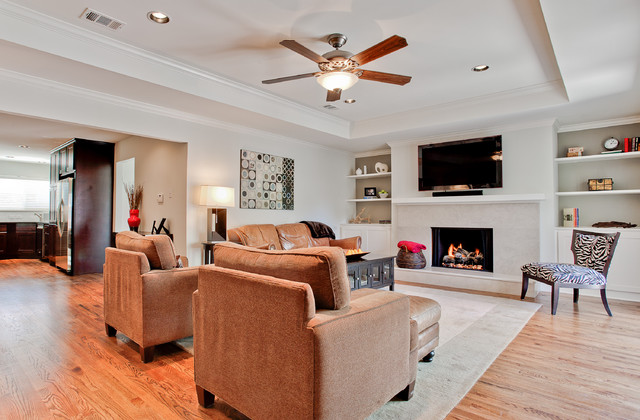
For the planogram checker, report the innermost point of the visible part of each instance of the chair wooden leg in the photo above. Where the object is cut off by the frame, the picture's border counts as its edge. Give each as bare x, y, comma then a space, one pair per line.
525, 285
205, 398
146, 354
407, 393
603, 295
555, 294
576, 295
111, 332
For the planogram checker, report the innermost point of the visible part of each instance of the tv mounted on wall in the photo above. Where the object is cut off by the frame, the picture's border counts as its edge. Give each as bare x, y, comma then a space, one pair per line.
461, 165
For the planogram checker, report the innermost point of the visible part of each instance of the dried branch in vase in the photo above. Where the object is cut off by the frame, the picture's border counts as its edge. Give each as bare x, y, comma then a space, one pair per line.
134, 194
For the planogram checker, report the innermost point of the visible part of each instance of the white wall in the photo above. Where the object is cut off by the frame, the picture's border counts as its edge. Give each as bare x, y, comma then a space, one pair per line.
528, 168
160, 168
321, 187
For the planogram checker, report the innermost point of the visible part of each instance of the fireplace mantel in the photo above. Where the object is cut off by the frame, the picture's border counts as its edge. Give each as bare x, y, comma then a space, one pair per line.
514, 219
471, 199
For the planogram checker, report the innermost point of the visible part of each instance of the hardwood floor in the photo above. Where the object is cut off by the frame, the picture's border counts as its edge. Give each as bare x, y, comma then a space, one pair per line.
57, 362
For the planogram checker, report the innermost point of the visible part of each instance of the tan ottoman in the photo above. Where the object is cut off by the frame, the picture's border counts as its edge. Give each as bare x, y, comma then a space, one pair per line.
425, 314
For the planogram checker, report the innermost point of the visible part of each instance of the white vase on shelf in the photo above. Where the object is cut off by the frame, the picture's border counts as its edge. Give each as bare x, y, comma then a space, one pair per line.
358, 171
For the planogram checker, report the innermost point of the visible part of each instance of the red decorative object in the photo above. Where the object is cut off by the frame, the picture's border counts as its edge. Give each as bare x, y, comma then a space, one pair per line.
133, 220
411, 246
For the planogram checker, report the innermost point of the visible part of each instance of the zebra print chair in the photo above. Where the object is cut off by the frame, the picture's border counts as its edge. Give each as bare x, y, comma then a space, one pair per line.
592, 254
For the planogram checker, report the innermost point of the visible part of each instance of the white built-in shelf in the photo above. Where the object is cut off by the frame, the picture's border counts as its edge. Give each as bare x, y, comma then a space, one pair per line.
368, 200
373, 175
606, 192
593, 158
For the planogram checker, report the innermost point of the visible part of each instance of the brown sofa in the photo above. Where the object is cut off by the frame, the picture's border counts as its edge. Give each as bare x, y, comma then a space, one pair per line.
277, 334
286, 236
147, 295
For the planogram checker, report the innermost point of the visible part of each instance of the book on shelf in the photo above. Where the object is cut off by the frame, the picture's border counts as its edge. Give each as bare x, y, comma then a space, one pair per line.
570, 217
631, 144
610, 152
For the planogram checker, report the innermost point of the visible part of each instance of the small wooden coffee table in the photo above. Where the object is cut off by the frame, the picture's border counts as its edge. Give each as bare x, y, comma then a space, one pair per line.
371, 271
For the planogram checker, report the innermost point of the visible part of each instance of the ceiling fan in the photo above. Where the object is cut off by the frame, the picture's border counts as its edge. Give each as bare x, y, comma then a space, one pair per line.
339, 69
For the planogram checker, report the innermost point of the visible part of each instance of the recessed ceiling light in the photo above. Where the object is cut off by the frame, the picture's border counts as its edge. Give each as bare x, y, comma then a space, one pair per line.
482, 67
158, 17
24, 146
349, 101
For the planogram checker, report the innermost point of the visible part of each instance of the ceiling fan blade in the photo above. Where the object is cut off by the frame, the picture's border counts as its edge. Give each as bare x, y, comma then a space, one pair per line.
377, 76
381, 49
333, 95
287, 78
302, 50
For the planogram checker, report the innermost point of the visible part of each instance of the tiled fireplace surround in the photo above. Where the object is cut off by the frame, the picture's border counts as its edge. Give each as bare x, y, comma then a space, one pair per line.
516, 240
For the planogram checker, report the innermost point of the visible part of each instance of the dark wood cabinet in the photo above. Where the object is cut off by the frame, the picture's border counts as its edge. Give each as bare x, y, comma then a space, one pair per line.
82, 208
18, 240
371, 272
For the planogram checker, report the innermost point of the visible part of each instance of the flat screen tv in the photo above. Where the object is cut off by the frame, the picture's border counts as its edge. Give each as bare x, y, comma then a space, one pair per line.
460, 165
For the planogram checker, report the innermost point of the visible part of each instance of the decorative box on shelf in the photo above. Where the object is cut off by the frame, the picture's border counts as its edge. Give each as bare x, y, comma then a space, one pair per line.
601, 184
575, 151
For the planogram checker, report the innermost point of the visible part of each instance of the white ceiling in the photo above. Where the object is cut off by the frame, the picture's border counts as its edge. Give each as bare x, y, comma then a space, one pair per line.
575, 61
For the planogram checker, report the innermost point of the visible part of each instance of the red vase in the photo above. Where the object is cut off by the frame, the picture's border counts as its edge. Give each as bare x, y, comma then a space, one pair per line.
133, 220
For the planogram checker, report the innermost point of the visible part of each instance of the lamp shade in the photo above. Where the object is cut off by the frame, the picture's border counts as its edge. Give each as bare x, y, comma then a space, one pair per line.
213, 196
337, 80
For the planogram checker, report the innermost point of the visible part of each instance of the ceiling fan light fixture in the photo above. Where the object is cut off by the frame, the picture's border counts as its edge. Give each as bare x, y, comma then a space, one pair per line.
158, 17
337, 80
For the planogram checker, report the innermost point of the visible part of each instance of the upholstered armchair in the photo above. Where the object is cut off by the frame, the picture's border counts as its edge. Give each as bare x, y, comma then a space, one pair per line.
147, 291
277, 334
592, 254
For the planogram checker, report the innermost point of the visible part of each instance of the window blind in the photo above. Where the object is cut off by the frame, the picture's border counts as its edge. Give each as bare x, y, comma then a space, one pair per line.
23, 194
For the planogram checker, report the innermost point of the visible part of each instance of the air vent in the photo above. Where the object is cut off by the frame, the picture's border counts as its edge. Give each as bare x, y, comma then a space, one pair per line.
102, 19
331, 107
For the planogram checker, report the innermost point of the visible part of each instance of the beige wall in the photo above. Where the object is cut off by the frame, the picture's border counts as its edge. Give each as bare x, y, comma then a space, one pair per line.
161, 168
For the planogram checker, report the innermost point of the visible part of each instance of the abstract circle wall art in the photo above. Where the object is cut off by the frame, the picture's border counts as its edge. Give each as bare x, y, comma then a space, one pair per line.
266, 181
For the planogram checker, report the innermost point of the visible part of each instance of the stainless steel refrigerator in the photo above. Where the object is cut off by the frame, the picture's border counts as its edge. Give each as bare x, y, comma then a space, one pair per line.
63, 217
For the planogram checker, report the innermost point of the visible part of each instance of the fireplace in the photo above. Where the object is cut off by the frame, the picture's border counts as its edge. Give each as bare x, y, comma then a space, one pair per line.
462, 248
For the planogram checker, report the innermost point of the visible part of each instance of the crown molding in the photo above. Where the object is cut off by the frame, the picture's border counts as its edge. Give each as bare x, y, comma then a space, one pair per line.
166, 71
138, 106
599, 124
480, 132
465, 109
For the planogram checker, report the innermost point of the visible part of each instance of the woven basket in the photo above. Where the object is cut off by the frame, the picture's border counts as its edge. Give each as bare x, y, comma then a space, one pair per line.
408, 259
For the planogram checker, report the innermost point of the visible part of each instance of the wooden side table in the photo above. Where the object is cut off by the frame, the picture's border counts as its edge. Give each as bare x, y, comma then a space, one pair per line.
207, 248
371, 272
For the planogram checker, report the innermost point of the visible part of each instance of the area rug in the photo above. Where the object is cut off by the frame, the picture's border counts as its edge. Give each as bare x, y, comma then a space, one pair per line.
474, 330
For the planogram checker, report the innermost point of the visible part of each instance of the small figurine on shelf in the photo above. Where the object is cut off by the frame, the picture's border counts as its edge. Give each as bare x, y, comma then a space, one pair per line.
360, 218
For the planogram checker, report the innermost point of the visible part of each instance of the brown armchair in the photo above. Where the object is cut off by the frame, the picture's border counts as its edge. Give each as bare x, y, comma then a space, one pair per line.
147, 296
277, 334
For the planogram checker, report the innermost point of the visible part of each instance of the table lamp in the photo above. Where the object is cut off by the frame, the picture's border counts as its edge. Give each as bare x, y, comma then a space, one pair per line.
214, 197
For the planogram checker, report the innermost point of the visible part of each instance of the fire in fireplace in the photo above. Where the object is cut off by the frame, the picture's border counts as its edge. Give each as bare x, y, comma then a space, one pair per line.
463, 248
458, 257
